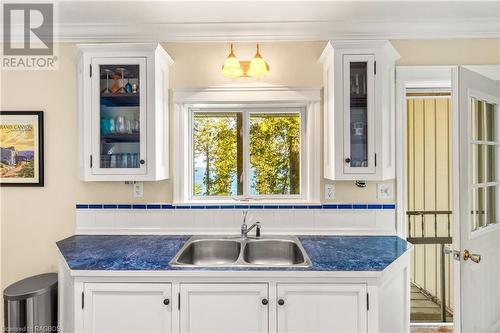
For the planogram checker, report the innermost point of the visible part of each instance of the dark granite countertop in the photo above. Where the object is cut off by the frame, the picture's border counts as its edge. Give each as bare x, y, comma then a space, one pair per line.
146, 253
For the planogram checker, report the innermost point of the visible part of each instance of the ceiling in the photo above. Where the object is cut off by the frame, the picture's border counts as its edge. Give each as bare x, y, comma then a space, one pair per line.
275, 20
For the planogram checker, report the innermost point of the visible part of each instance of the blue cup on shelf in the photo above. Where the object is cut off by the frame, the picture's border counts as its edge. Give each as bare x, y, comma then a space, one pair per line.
104, 125
107, 125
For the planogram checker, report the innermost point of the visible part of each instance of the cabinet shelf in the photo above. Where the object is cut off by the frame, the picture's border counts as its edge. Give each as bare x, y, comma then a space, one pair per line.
127, 137
119, 99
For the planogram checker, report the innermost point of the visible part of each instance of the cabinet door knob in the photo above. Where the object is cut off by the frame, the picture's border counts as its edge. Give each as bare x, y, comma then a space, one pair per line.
166, 301
142, 161
265, 301
281, 301
348, 160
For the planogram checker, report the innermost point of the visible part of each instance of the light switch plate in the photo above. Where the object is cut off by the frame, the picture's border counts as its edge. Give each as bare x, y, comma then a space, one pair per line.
329, 191
138, 190
385, 191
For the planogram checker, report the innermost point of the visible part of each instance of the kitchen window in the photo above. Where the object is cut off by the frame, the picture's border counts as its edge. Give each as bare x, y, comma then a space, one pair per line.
258, 144
247, 153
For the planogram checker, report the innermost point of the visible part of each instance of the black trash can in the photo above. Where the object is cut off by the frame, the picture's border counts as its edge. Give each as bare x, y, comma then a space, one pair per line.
30, 305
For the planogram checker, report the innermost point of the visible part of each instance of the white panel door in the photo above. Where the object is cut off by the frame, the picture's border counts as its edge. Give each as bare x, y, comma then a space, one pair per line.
222, 308
479, 202
328, 308
127, 307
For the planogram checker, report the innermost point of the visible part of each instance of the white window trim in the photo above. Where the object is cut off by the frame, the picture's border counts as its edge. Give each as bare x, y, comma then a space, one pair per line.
247, 97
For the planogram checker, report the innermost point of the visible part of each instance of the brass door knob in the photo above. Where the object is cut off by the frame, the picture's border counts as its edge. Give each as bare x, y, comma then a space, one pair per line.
474, 257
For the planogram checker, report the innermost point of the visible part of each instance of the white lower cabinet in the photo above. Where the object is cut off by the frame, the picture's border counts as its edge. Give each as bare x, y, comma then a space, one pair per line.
332, 308
127, 307
224, 307
219, 308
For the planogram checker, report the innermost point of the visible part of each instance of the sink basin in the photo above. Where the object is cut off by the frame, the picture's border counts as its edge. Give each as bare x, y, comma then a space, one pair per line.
273, 252
210, 252
220, 251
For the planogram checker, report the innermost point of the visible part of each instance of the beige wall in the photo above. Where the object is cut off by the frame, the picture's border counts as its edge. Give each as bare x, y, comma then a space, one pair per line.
33, 219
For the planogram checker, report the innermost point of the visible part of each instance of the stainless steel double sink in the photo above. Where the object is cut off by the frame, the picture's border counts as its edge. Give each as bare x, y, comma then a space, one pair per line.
220, 251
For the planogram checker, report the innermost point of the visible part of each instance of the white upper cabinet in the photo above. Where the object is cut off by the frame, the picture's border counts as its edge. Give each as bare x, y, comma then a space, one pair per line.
359, 120
123, 112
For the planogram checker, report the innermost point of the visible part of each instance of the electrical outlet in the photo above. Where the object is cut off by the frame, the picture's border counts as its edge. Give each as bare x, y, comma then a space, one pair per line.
138, 190
385, 191
329, 191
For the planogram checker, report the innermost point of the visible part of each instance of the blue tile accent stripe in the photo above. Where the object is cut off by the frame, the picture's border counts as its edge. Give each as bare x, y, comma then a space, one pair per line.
237, 206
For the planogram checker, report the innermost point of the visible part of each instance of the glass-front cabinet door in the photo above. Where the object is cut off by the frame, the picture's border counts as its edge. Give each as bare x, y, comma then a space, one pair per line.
118, 116
358, 113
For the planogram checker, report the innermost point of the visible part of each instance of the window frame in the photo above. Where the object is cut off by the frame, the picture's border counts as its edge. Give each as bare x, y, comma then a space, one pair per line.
247, 111
239, 96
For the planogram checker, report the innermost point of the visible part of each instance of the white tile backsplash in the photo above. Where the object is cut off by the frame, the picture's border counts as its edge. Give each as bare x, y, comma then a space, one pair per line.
189, 221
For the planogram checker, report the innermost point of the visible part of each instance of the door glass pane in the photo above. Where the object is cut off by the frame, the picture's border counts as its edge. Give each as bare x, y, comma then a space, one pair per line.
490, 122
480, 207
491, 166
478, 120
119, 116
473, 210
274, 154
478, 159
480, 163
492, 205
217, 152
359, 113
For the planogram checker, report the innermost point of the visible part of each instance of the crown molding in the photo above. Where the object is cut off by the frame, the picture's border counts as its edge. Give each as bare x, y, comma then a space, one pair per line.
278, 31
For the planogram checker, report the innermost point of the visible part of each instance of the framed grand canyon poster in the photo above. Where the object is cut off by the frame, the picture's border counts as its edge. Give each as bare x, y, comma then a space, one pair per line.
21, 148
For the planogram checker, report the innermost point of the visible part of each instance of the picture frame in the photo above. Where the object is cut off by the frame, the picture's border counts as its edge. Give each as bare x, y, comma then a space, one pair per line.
21, 148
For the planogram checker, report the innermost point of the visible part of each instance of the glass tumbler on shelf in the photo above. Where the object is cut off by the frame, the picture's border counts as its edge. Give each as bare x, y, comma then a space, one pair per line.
136, 125
111, 126
112, 161
128, 126
135, 160
129, 161
120, 126
104, 125
123, 161
105, 161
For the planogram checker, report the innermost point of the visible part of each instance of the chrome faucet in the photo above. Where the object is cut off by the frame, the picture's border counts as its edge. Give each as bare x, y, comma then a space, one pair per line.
245, 229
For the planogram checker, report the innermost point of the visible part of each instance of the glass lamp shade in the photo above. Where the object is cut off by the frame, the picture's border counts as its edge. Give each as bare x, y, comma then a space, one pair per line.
258, 66
232, 67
